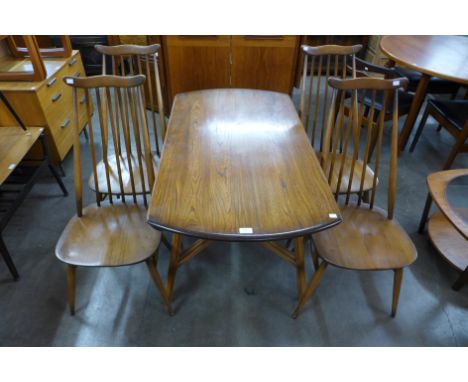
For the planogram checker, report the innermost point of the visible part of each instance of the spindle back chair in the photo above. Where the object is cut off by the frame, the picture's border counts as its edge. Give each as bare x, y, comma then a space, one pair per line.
113, 232
369, 238
333, 59
140, 59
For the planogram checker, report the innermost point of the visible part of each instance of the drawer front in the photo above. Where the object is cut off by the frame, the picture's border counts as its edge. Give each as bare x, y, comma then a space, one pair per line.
280, 41
55, 90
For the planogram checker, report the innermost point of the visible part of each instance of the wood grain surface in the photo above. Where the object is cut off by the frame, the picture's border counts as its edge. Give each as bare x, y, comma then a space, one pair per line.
14, 145
237, 161
440, 56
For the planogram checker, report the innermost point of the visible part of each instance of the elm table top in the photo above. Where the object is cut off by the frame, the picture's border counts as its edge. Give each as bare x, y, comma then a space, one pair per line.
440, 56
237, 166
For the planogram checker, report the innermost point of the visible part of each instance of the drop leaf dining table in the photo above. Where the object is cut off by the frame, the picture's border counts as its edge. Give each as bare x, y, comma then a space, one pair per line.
237, 166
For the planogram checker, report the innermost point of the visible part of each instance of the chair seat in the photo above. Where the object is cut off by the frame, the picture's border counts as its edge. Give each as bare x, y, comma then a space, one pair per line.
447, 240
435, 86
456, 111
357, 175
111, 235
126, 180
366, 240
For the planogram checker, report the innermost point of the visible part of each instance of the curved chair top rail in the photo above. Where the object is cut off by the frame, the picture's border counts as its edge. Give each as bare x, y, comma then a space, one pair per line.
368, 83
330, 49
105, 81
364, 67
123, 50
437, 183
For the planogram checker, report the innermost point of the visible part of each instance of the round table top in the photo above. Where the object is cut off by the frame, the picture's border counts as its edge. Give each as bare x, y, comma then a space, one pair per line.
440, 56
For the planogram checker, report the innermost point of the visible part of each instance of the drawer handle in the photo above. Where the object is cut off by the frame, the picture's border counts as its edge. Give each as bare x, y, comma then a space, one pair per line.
56, 97
51, 82
77, 74
72, 62
83, 100
65, 123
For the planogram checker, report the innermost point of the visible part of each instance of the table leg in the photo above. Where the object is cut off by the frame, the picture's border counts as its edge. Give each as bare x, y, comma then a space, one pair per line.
414, 111
173, 263
300, 268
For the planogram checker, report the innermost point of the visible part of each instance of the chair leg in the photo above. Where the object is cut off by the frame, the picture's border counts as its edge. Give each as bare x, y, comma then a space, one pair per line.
420, 128
460, 142
8, 259
71, 273
300, 268
151, 263
310, 288
462, 279
58, 179
314, 254
427, 208
166, 242
397, 277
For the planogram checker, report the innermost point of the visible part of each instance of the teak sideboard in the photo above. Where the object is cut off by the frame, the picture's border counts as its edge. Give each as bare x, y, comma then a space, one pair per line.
46, 103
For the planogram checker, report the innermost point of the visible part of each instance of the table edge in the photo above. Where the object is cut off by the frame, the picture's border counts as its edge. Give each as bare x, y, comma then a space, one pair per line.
246, 237
418, 68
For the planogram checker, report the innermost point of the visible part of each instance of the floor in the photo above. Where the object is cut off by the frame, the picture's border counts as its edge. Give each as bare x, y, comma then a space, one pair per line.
232, 294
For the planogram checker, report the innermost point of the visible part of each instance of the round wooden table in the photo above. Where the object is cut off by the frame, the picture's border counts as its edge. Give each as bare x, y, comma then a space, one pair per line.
433, 56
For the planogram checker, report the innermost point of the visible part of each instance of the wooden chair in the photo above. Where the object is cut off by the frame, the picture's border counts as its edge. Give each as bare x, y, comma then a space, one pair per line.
452, 115
369, 238
448, 227
368, 69
112, 233
340, 61
333, 60
131, 60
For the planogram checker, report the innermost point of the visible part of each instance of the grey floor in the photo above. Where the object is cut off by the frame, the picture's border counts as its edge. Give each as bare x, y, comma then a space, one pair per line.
232, 294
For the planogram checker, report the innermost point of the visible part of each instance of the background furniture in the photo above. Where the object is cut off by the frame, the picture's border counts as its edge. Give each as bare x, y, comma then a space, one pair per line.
60, 48
47, 103
13, 68
433, 56
207, 62
17, 177
108, 234
448, 227
253, 176
369, 238
451, 115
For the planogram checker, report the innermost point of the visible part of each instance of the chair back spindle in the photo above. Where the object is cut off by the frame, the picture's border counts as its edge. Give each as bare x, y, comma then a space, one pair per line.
123, 127
325, 61
346, 141
140, 59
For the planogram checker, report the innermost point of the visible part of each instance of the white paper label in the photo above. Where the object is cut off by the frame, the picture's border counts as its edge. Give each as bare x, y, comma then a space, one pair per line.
245, 230
396, 83
11, 166
332, 216
69, 81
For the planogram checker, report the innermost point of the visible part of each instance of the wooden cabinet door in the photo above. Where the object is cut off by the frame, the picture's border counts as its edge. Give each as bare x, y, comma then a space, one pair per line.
196, 62
264, 62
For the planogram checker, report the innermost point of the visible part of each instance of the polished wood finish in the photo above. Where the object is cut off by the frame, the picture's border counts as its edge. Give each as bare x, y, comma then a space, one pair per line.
264, 62
114, 232
448, 227
20, 51
440, 56
369, 238
14, 145
16, 68
196, 62
108, 236
47, 103
224, 140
